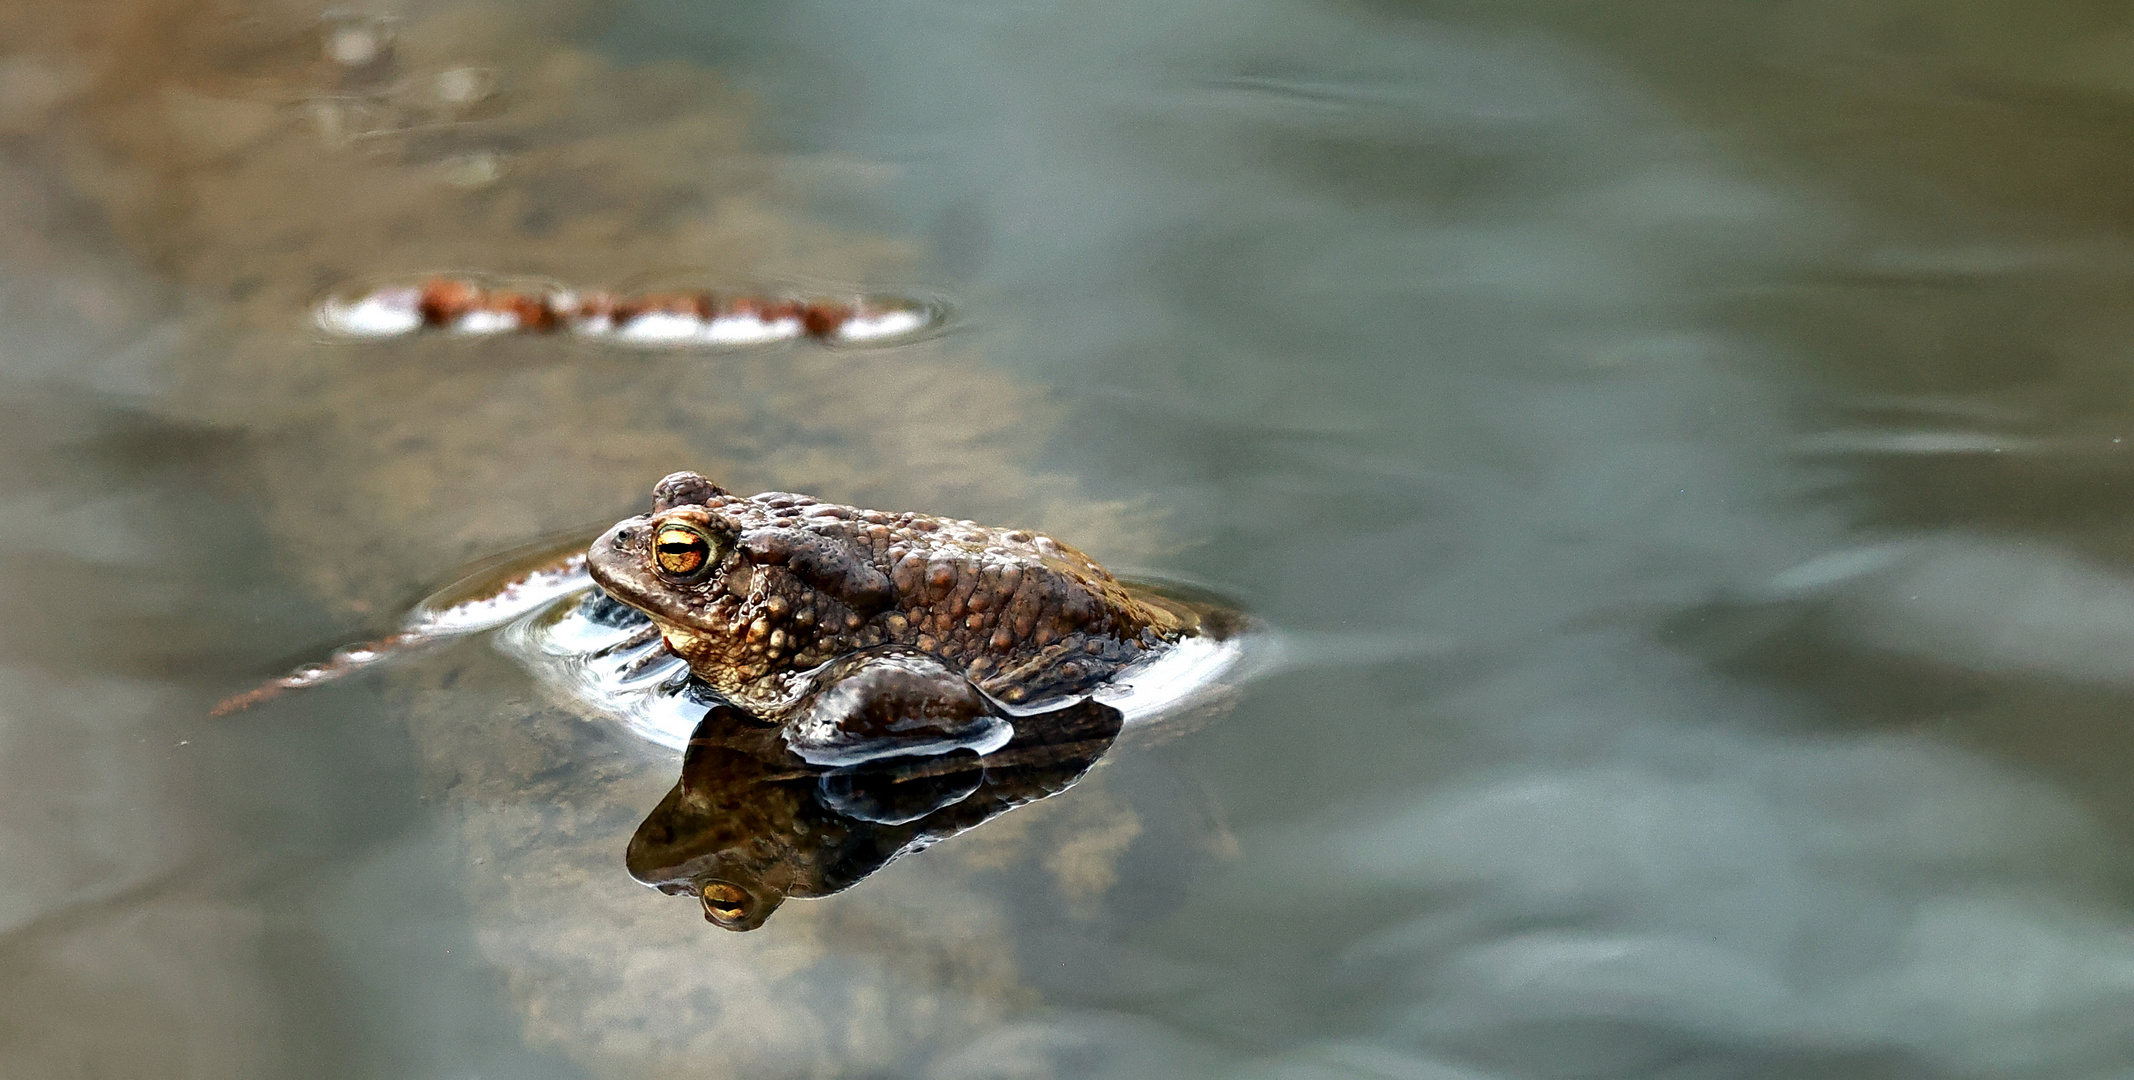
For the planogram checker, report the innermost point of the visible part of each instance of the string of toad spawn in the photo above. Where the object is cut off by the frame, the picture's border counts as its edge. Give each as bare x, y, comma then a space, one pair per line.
517, 584
685, 318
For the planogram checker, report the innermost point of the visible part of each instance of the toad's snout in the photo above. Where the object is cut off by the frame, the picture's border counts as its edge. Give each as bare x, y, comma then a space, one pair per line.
615, 557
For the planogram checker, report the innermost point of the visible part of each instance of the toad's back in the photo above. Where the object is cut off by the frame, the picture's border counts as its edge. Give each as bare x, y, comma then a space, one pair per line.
800, 582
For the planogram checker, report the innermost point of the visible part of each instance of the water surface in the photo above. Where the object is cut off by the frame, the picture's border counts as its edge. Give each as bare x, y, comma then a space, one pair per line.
1684, 443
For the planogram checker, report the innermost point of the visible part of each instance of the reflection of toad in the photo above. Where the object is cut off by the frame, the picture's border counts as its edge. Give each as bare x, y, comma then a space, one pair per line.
748, 825
876, 671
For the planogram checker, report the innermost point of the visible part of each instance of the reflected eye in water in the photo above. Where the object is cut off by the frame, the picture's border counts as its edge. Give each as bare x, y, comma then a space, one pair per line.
682, 554
725, 904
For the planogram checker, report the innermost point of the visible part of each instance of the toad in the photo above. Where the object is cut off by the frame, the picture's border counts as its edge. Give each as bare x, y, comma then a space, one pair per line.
845, 685
863, 634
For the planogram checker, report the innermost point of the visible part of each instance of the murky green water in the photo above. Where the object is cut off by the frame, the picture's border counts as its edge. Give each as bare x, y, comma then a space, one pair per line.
1684, 443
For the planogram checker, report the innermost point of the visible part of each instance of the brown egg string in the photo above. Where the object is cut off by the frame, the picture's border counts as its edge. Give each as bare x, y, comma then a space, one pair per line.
483, 602
344, 662
673, 319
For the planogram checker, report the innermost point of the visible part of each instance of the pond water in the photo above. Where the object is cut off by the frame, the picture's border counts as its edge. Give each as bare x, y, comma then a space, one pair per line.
1683, 446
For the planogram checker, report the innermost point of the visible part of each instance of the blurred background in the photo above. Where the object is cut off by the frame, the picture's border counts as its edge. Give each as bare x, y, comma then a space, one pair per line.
1683, 445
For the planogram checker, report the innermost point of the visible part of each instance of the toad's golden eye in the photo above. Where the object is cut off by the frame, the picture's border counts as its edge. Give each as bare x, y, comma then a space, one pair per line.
724, 903
682, 553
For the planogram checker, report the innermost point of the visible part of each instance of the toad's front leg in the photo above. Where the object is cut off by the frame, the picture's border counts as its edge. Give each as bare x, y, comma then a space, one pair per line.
892, 702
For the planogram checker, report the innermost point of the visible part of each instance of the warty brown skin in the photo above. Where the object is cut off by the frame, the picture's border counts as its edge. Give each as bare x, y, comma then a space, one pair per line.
797, 582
